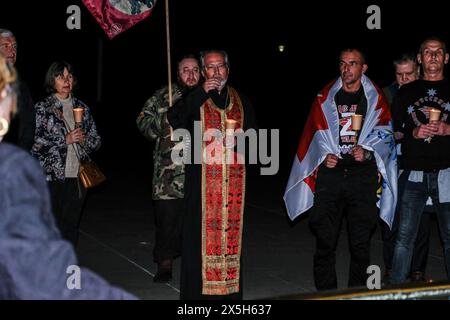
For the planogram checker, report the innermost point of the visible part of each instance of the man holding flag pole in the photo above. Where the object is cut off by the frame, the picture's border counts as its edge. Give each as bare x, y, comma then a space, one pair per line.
337, 174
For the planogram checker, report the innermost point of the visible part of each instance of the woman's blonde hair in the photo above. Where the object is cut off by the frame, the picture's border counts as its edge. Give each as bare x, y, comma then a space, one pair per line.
8, 78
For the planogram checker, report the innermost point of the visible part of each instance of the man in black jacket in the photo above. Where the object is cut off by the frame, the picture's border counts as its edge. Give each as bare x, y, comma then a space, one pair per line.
425, 154
406, 70
22, 128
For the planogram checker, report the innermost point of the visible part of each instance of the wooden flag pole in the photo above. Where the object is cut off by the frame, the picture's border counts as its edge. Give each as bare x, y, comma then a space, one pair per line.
169, 66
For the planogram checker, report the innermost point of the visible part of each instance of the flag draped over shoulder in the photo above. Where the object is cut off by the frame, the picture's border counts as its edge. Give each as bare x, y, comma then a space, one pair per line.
116, 16
321, 136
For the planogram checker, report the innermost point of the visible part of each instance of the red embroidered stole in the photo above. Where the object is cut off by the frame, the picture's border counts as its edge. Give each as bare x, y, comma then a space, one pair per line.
223, 193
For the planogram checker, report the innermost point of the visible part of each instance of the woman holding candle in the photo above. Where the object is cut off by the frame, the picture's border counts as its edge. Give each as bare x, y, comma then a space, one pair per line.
34, 259
59, 146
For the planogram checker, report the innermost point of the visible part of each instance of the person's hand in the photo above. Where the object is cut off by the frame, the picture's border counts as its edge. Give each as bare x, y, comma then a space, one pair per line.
75, 136
212, 84
426, 130
442, 129
331, 160
398, 135
358, 153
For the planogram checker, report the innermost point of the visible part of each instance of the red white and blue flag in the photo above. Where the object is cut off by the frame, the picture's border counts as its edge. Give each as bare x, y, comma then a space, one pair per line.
321, 137
116, 16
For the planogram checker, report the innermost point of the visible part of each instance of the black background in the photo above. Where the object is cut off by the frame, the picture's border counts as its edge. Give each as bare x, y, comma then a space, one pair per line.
281, 86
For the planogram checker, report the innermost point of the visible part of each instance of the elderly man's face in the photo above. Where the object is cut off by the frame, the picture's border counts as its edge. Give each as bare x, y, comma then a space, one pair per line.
8, 46
433, 57
215, 66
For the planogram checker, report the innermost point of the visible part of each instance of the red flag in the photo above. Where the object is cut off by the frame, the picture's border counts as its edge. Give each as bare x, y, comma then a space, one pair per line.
116, 16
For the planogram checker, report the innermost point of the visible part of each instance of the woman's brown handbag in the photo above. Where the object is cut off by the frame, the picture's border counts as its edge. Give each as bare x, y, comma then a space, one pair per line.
90, 174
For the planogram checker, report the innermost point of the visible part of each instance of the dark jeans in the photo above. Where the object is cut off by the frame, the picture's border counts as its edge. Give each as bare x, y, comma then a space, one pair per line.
421, 245
168, 220
339, 191
67, 203
412, 205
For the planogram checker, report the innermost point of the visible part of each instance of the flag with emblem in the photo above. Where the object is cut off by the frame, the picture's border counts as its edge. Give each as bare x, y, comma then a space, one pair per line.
116, 16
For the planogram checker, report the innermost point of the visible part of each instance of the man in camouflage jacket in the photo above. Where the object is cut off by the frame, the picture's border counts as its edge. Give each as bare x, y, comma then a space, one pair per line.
168, 177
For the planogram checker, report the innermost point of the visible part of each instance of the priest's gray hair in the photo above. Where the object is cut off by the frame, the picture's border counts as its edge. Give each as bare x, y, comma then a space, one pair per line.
203, 54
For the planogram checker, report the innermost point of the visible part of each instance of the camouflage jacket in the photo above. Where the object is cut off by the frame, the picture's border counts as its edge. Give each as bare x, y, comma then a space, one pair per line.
168, 178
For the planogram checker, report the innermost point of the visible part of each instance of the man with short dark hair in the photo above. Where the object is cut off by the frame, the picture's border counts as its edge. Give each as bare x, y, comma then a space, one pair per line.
168, 177
336, 172
406, 70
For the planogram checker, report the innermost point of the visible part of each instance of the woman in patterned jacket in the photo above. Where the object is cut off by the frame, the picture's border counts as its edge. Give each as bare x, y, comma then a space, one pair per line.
34, 259
59, 146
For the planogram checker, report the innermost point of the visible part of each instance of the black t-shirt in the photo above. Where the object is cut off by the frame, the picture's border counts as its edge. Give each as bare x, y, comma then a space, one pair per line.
410, 109
348, 103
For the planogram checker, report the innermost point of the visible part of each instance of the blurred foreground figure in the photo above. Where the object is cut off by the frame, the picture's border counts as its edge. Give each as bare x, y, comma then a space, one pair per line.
35, 262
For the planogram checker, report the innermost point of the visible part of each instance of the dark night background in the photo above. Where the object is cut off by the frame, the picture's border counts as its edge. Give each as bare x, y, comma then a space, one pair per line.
281, 86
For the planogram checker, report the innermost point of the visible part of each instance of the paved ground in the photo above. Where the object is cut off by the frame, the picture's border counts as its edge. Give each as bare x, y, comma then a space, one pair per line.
117, 236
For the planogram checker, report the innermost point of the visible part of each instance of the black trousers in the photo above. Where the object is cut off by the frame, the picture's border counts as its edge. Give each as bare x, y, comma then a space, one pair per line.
350, 192
68, 198
168, 221
420, 254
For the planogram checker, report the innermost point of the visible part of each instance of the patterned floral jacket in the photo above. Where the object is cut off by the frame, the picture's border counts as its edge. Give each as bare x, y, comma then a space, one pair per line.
50, 146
